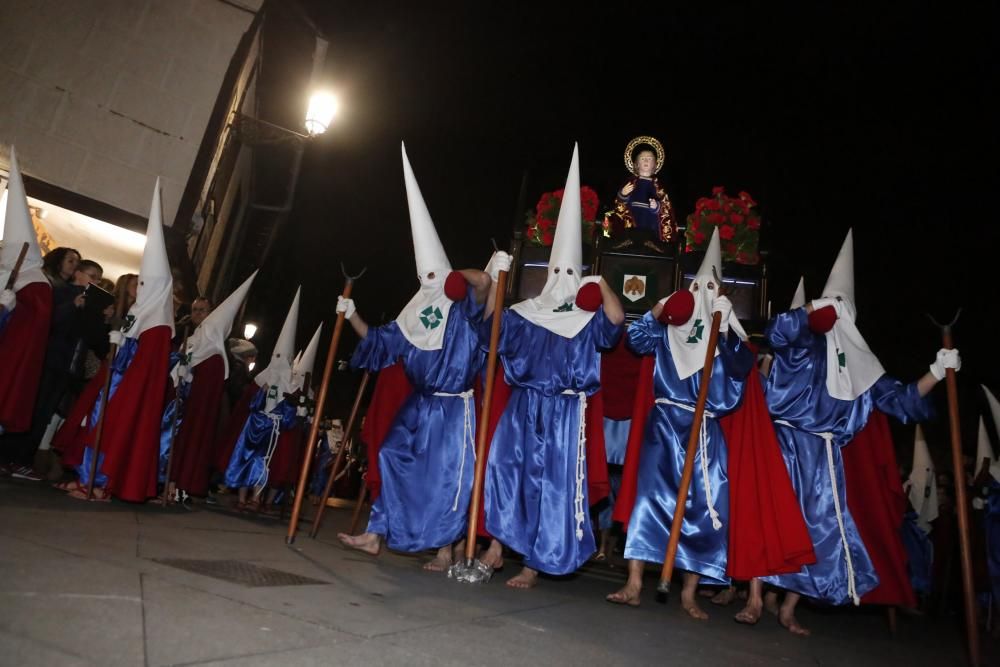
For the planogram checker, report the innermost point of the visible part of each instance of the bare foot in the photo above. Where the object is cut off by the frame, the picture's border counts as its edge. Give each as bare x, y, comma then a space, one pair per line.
441, 562
724, 597
750, 614
493, 556
528, 578
627, 595
690, 604
771, 602
369, 543
787, 620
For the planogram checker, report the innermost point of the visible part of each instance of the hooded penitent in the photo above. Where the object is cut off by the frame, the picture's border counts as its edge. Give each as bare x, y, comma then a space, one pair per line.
689, 341
306, 361
210, 337
17, 230
799, 298
995, 412
277, 377
851, 367
424, 319
154, 300
923, 483
555, 307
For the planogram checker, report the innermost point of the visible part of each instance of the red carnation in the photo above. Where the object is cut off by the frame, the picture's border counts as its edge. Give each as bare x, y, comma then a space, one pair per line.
699, 238
735, 218
701, 203
531, 232
726, 232
716, 218
544, 224
718, 190
547, 238
713, 205
746, 198
753, 222
729, 248
694, 223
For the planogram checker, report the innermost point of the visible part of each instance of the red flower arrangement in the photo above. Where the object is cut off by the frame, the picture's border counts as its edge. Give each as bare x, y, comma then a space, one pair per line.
738, 222
540, 227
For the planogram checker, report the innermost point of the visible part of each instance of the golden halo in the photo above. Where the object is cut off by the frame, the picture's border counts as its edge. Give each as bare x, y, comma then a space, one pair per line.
638, 141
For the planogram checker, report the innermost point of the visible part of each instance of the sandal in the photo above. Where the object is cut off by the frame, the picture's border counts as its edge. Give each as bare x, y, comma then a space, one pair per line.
100, 495
70, 485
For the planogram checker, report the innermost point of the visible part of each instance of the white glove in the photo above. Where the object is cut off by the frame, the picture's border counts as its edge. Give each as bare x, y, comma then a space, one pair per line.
301, 411
8, 299
182, 371
346, 306
116, 337
722, 304
500, 261
945, 359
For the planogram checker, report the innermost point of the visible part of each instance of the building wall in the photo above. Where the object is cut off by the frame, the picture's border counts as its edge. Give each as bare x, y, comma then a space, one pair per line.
102, 96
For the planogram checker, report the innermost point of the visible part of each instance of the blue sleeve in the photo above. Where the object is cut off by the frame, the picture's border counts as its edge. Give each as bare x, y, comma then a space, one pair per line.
790, 329
902, 401
471, 311
643, 334
737, 358
607, 333
379, 349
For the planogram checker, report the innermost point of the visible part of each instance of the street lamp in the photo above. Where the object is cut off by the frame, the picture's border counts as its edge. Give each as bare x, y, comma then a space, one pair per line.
249, 330
323, 107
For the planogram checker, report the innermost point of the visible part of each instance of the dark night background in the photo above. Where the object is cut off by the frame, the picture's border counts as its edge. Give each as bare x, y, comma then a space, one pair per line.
876, 117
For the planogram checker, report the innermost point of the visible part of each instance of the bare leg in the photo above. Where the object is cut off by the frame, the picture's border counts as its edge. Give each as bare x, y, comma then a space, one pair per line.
750, 614
629, 593
458, 551
493, 556
786, 615
369, 543
771, 602
441, 562
602, 552
528, 578
725, 596
689, 597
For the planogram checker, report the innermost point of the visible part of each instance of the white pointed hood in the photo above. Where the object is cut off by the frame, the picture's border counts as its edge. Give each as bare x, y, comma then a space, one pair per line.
555, 307
995, 412
154, 301
922, 483
424, 319
799, 298
17, 229
210, 337
851, 367
307, 360
277, 377
689, 341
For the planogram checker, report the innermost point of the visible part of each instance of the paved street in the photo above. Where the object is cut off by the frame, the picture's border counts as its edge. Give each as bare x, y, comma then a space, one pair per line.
87, 584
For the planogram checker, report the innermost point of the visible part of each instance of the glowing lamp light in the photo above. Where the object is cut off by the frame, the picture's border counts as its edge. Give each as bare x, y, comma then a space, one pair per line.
249, 330
322, 108
251, 365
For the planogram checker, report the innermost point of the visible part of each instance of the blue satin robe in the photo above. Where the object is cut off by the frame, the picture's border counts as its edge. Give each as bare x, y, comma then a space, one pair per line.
427, 460
168, 428
919, 554
796, 393
992, 525
702, 549
123, 358
248, 466
531, 474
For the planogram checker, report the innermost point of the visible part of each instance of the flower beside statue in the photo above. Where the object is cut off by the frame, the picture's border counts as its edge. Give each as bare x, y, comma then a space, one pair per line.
540, 226
737, 219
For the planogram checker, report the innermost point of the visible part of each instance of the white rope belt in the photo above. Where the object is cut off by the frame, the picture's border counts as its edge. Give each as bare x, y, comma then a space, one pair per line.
581, 460
468, 438
852, 590
703, 448
271, 446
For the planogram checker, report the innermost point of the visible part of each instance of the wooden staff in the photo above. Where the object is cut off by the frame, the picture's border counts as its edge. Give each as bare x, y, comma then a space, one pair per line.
961, 502
339, 459
692, 449
338, 328
12, 278
362, 494
103, 403
484, 420
173, 423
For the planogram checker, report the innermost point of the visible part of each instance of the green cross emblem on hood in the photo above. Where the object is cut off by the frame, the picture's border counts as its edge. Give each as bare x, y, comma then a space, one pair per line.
841, 358
565, 308
697, 331
431, 317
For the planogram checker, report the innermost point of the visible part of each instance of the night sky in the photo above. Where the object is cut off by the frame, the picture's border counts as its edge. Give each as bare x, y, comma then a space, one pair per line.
831, 117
